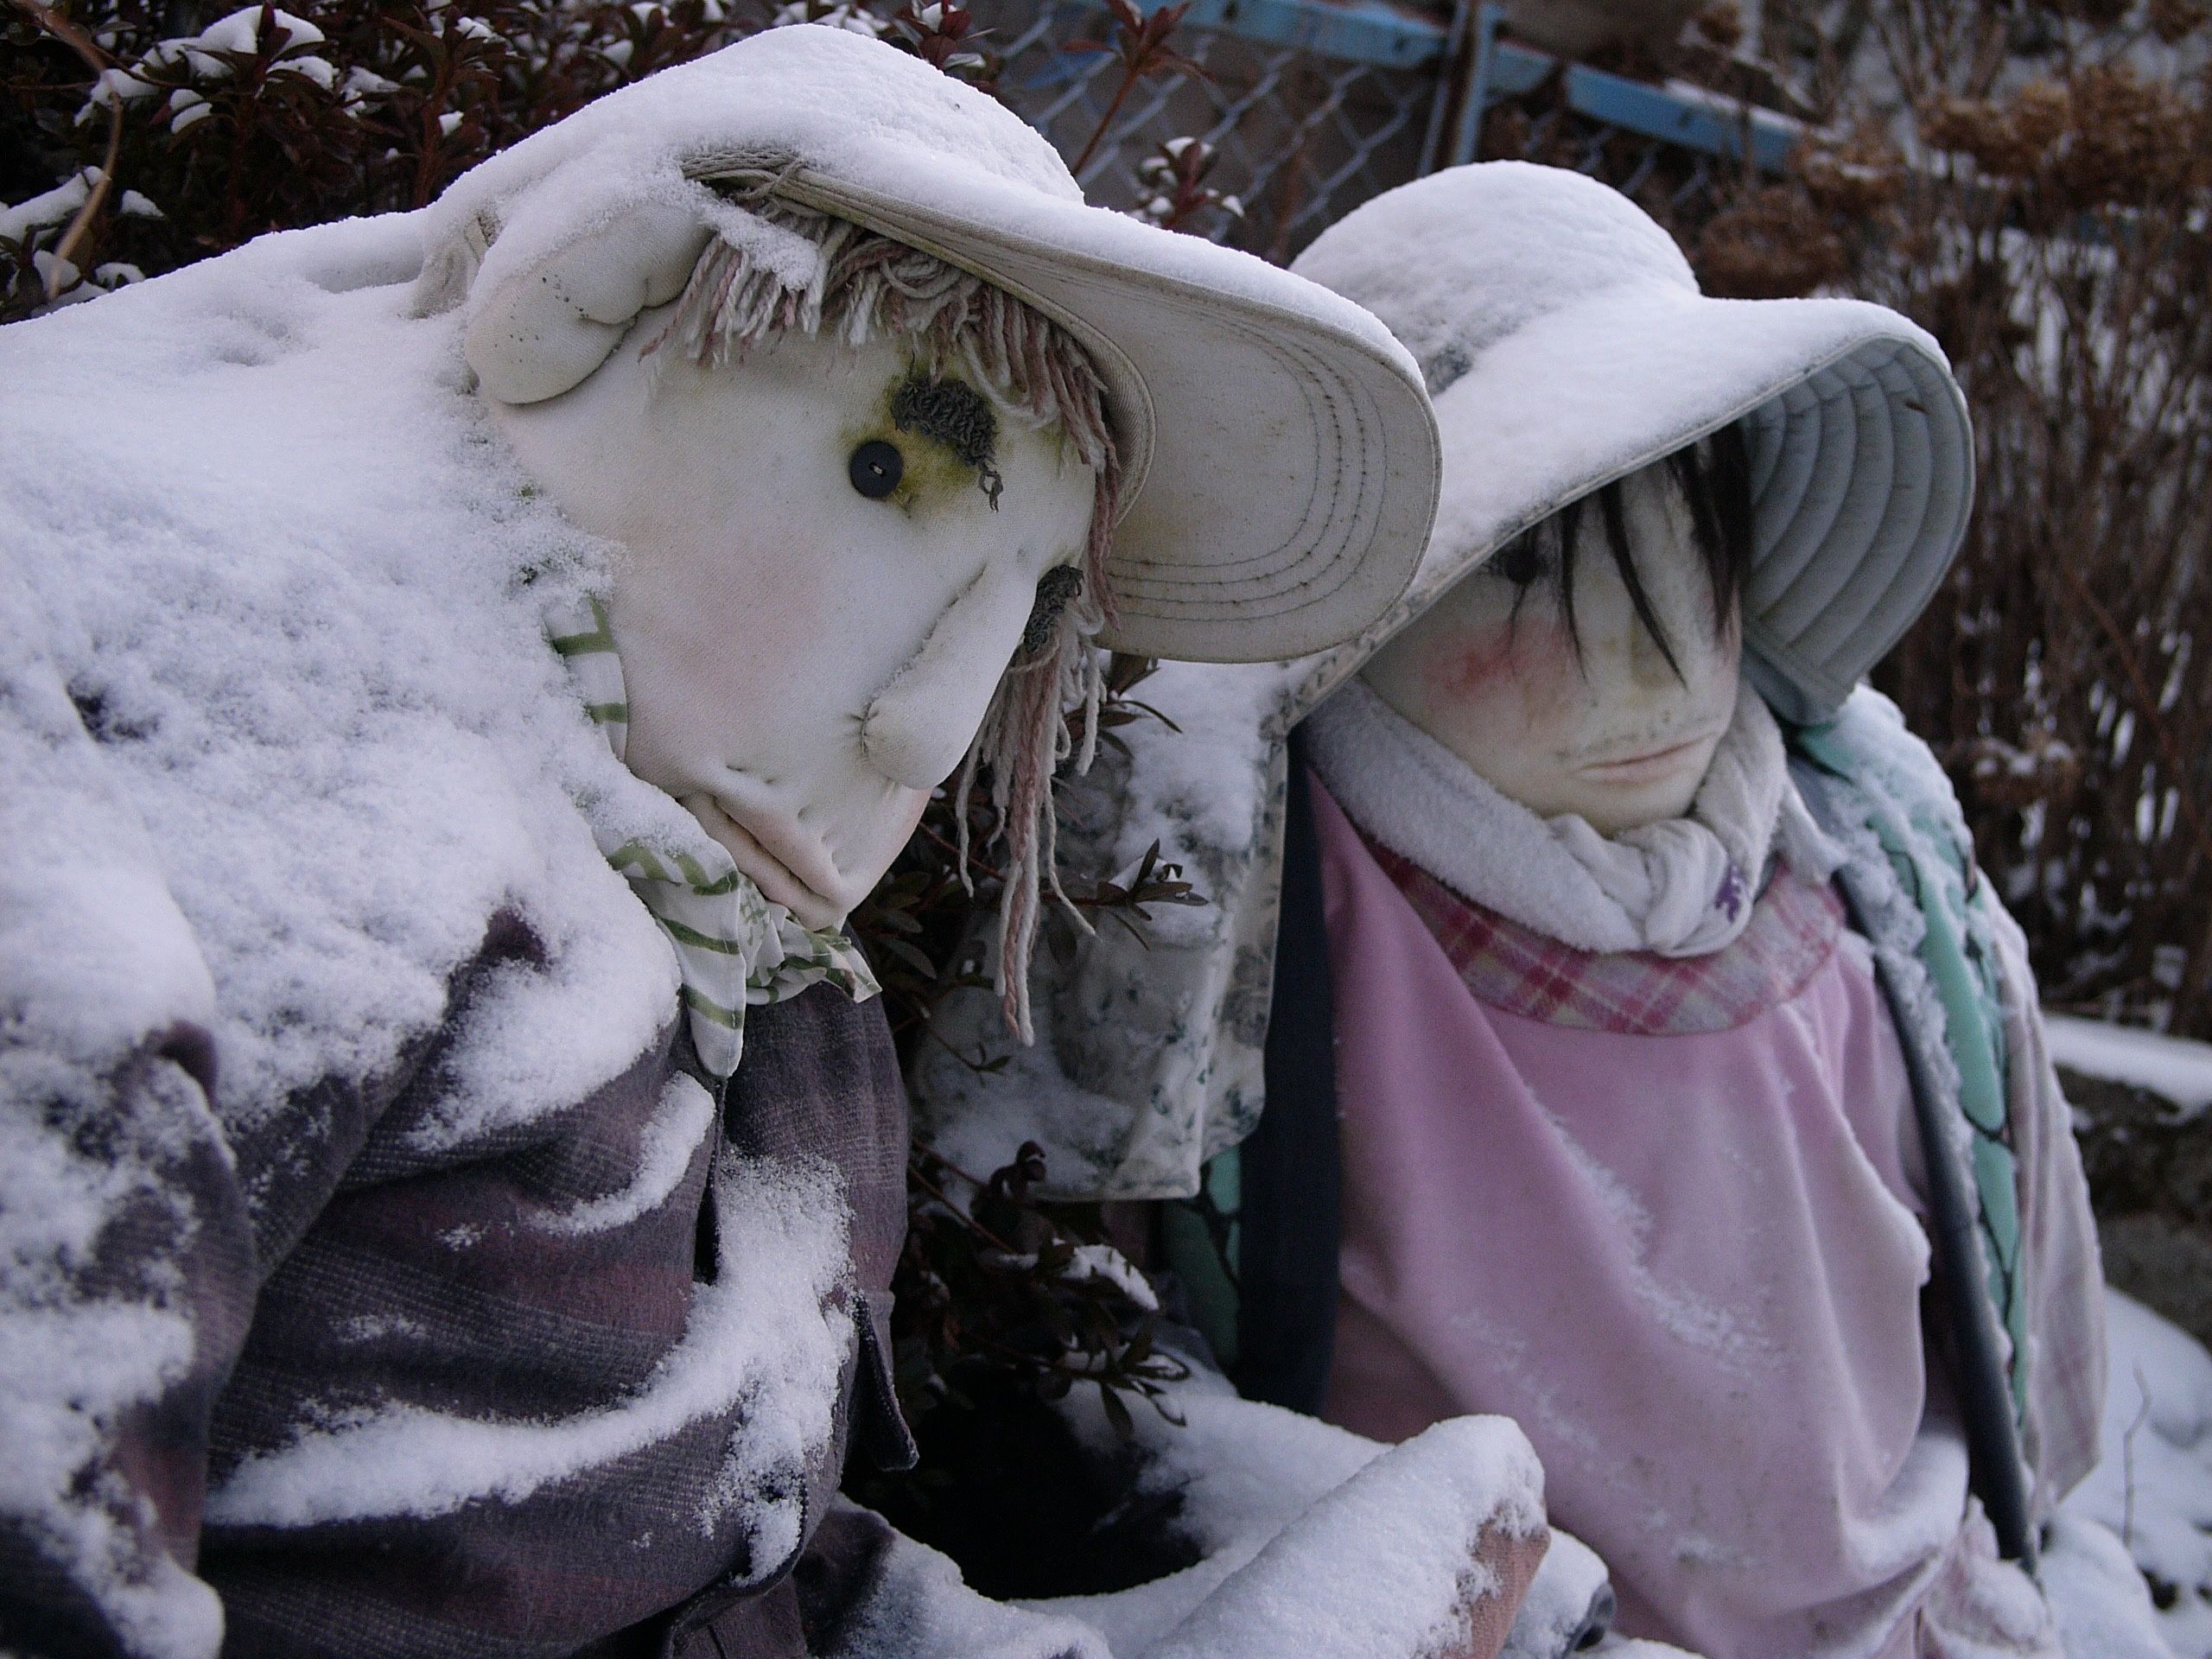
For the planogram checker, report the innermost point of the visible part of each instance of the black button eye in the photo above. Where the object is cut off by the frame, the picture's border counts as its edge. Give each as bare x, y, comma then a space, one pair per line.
875, 469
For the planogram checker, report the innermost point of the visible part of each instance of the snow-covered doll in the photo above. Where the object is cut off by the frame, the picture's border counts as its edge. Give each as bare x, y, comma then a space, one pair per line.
450, 1168
1689, 1101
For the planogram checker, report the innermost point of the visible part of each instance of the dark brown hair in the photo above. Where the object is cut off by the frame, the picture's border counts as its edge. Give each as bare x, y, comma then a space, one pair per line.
1712, 476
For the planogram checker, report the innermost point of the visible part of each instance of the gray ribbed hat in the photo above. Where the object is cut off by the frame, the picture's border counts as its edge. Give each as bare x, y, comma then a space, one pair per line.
1566, 344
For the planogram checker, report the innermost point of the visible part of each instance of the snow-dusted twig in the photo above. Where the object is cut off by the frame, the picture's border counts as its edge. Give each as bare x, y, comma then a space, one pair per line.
64, 250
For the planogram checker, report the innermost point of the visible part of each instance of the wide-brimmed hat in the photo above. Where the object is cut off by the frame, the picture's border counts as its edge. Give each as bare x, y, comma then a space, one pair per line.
1279, 457
1565, 343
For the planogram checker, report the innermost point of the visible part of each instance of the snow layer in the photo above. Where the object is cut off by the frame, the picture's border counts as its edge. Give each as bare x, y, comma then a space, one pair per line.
2172, 1068
280, 734
2153, 1485
1148, 1052
848, 106
1312, 1539
756, 1335
292, 586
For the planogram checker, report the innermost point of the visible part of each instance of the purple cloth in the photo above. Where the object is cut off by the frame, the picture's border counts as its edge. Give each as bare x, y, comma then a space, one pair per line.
1690, 1265
400, 1279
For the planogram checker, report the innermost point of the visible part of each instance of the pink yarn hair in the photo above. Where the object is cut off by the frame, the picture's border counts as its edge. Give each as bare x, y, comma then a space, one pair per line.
866, 285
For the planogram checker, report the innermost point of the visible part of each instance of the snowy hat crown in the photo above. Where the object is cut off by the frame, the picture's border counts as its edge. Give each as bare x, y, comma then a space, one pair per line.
1567, 344
1463, 258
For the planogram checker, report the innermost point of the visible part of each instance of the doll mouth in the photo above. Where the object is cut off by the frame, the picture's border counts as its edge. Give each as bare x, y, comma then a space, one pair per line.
1639, 764
793, 872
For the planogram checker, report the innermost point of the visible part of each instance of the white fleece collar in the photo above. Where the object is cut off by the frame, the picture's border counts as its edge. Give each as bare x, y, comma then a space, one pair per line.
1681, 887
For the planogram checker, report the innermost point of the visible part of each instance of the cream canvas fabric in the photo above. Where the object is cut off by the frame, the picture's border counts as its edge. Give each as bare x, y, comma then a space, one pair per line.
1241, 538
734, 947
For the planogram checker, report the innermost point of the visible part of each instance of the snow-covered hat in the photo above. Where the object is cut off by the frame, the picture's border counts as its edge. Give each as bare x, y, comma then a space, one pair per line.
1279, 457
1564, 339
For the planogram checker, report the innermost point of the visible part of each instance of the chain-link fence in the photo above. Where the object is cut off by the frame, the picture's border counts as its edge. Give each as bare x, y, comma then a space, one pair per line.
1302, 137
1312, 107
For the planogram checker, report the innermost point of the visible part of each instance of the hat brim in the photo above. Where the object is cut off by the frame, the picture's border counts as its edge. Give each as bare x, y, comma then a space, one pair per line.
1279, 458
1861, 460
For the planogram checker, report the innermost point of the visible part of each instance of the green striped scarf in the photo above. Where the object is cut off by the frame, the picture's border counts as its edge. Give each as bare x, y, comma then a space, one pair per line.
735, 946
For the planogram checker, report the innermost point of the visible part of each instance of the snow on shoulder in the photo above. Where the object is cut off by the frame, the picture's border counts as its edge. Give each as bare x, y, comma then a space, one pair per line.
280, 732
292, 586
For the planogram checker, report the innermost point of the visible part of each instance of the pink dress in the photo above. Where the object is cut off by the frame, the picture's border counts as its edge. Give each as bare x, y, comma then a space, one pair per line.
1665, 1215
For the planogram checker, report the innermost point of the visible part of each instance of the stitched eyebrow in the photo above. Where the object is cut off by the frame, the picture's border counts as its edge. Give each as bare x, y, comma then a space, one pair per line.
957, 416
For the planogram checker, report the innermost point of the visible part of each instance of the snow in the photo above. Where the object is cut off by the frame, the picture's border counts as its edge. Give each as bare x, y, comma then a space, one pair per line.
918, 1607
1147, 1059
349, 749
2153, 1485
757, 1335
1178, 790
672, 1137
845, 102
281, 732
237, 32
2173, 1068
94, 951
1103, 1261
162, 1609
1382, 1566
2096, 1592
54, 207
881, 122
1312, 1539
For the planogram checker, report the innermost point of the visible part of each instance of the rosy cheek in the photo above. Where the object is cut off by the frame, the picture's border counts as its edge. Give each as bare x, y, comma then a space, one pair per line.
1533, 662
1469, 669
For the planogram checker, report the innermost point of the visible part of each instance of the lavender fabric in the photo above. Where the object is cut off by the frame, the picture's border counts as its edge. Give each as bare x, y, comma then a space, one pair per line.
1690, 1266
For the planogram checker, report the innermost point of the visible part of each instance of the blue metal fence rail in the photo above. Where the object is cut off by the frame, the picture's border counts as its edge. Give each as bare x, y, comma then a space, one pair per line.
1316, 104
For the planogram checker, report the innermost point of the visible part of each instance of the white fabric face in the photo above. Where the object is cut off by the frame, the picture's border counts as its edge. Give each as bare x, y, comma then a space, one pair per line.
1611, 734
804, 661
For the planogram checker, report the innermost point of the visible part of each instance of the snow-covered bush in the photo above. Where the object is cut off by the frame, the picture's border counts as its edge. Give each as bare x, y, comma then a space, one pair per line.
221, 123
2033, 183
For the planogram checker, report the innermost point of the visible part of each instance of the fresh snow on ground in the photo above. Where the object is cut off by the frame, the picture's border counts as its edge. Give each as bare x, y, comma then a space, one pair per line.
2172, 1067
2153, 1486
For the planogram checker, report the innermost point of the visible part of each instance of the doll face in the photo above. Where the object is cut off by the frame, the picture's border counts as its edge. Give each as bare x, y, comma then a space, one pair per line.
1612, 734
820, 595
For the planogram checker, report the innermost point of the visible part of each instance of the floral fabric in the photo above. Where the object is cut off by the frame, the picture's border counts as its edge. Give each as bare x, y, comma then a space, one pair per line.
1151, 1037
735, 946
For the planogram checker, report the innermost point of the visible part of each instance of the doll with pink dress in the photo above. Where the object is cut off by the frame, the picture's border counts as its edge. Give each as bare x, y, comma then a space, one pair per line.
1649, 1061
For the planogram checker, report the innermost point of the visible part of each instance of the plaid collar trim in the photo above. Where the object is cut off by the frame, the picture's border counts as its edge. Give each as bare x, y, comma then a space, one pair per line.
1792, 932
735, 946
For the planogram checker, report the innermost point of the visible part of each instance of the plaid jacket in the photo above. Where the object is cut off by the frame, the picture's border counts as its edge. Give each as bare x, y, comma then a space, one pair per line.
488, 1302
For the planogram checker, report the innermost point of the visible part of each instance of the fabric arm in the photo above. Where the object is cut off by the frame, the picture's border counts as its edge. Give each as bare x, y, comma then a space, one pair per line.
1311, 1539
2058, 1240
119, 1332
126, 1262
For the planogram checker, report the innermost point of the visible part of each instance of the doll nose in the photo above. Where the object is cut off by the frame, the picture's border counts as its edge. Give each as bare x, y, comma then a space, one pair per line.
920, 725
1647, 664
